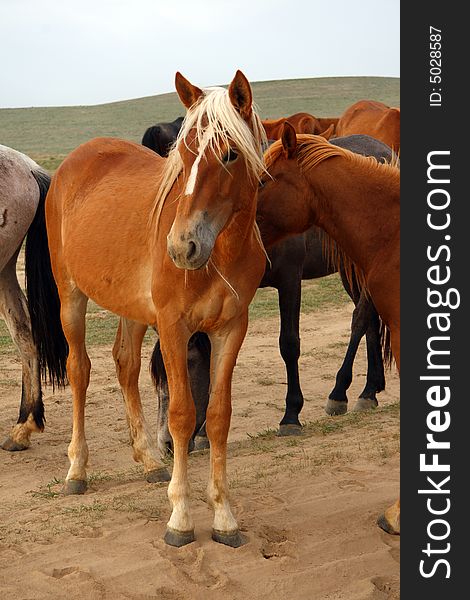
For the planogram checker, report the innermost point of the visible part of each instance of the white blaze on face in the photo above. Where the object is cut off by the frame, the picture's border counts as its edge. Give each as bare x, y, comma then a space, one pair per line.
193, 176
194, 169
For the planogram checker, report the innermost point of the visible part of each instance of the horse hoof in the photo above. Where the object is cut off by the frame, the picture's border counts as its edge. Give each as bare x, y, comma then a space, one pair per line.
336, 407
201, 443
74, 487
386, 526
363, 404
234, 539
158, 475
11, 446
289, 429
178, 538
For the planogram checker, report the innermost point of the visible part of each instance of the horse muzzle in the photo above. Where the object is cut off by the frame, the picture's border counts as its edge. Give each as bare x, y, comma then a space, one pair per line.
191, 249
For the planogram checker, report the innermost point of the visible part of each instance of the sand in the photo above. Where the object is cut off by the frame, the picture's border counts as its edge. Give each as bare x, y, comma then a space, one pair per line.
307, 505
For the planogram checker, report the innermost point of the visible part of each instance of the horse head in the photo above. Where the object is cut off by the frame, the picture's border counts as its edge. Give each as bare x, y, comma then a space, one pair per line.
219, 150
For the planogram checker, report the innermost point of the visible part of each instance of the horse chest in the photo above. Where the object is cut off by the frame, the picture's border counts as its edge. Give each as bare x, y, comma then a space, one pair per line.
211, 311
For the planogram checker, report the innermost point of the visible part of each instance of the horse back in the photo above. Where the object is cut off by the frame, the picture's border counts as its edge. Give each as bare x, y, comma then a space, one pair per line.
372, 118
105, 161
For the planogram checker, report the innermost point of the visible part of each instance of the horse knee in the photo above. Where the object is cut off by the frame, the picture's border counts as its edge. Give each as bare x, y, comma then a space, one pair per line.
78, 368
127, 367
181, 423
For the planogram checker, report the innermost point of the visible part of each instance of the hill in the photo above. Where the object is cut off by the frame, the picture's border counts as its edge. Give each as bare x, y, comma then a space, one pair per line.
47, 134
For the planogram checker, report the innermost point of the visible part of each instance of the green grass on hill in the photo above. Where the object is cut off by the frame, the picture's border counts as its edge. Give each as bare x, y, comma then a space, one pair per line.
49, 134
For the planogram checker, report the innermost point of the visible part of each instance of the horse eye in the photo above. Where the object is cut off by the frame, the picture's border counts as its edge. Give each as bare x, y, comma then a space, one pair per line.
261, 184
229, 156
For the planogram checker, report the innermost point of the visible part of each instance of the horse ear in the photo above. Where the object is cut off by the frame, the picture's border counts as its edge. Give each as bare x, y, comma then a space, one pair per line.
189, 94
328, 132
289, 139
240, 95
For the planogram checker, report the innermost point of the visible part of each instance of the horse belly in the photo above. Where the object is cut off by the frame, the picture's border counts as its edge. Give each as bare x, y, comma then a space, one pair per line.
123, 289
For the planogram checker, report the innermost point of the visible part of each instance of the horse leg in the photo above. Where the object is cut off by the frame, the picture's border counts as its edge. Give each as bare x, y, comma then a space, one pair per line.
375, 381
127, 357
289, 344
181, 423
337, 403
157, 366
14, 310
199, 376
72, 316
225, 350
199, 357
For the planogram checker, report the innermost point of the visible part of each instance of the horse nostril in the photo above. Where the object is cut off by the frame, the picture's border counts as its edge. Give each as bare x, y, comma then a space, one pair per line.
192, 248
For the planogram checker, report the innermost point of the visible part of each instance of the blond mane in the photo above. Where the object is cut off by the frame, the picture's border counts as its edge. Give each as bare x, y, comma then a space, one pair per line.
217, 124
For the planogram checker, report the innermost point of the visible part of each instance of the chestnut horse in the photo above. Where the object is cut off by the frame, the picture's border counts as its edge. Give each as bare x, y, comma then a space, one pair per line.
302, 123
372, 118
356, 200
171, 243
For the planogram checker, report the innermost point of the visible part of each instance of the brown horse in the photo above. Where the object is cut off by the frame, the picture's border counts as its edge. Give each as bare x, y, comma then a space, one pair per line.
172, 243
356, 200
372, 118
302, 123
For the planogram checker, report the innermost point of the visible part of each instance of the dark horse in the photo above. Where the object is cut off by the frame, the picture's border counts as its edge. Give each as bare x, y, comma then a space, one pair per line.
161, 136
294, 259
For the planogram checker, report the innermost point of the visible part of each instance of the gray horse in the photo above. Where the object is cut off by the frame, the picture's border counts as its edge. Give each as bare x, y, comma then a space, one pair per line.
23, 184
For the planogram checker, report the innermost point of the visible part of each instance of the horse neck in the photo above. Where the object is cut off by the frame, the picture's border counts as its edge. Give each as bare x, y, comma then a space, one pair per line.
278, 218
237, 234
358, 208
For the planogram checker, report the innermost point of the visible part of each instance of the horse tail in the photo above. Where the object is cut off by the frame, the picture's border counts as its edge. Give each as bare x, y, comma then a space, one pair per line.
157, 366
386, 344
43, 296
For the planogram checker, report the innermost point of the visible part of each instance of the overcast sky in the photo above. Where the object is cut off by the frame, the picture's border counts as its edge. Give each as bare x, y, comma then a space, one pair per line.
69, 52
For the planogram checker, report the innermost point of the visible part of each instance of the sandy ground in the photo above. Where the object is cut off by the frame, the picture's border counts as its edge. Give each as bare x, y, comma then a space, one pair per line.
307, 505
